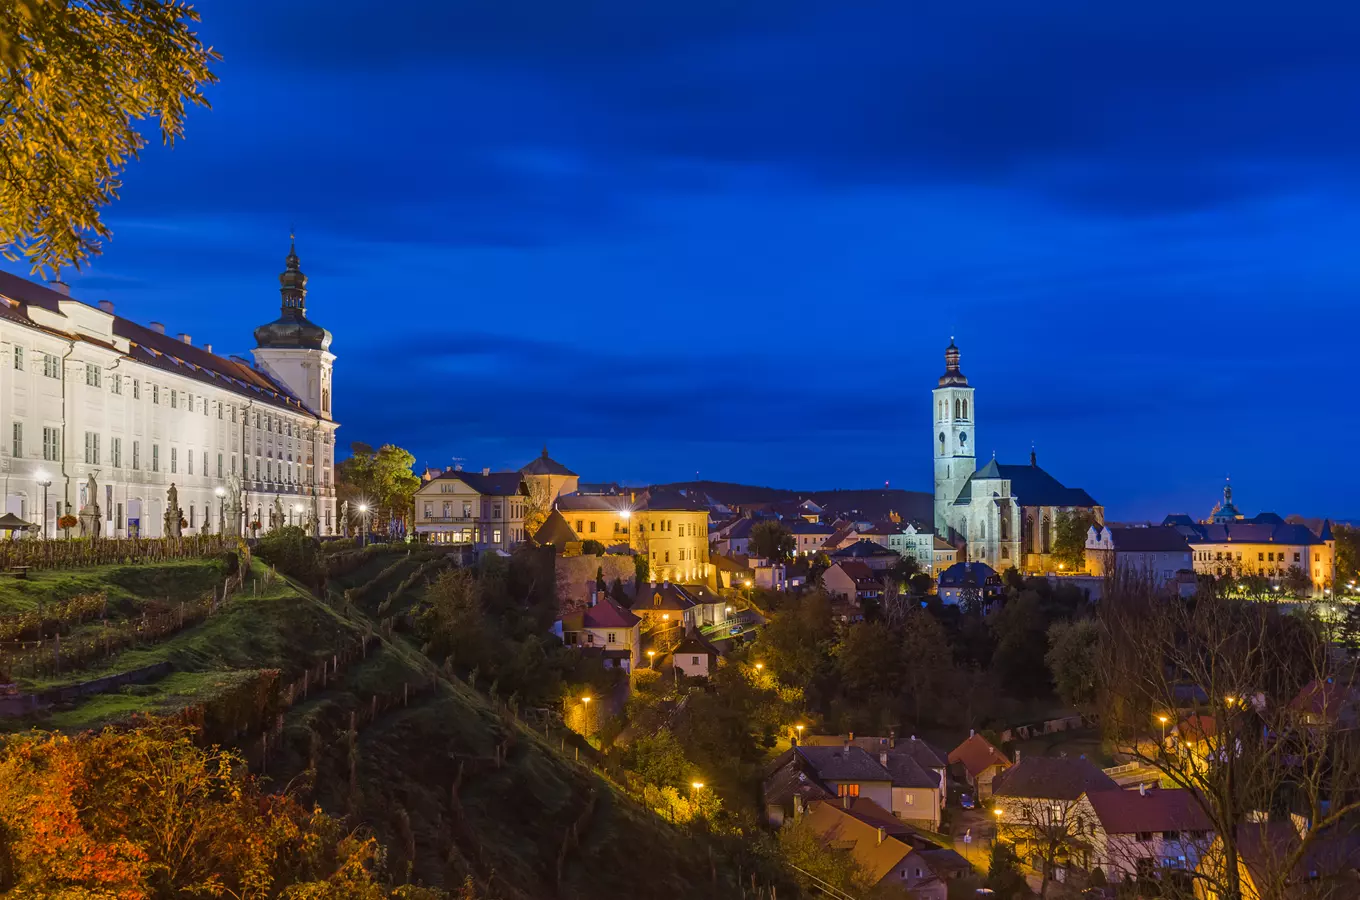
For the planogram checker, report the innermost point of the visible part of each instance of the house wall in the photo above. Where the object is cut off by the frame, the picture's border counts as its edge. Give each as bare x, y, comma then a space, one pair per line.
693, 665
155, 440
675, 541
451, 511
1241, 558
837, 583
575, 573
878, 791
917, 804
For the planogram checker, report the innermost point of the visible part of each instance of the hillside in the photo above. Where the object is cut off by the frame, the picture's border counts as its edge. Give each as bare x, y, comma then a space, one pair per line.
870, 503
452, 785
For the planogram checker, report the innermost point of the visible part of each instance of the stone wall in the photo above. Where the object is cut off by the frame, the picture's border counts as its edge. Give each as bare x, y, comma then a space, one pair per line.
575, 573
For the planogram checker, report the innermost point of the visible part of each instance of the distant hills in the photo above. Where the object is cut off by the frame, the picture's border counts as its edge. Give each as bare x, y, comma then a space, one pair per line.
870, 503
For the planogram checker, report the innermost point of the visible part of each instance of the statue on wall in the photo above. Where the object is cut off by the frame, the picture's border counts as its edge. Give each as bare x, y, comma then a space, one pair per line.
173, 514
276, 515
91, 520
314, 520
234, 506
344, 518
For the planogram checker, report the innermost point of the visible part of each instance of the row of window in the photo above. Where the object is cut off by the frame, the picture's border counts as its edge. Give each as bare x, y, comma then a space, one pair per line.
1262, 556
691, 555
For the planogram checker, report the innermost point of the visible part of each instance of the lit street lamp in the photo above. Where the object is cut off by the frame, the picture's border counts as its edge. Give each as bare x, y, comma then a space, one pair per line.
586, 701
363, 524
759, 666
1163, 720
799, 729
651, 659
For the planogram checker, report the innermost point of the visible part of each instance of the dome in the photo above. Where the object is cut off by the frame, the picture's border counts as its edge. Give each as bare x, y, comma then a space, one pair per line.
292, 330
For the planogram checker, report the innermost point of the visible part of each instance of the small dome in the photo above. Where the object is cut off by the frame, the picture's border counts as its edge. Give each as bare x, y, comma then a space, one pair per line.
292, 330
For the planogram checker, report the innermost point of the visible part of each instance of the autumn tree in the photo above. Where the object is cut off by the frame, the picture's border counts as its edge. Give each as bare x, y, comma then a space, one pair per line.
1255, 696
537, 504
77, 80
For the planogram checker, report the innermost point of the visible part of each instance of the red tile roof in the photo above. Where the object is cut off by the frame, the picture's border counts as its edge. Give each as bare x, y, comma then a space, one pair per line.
1131, 811
977, 755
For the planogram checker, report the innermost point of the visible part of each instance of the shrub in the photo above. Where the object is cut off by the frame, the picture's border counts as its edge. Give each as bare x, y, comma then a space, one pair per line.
292, 551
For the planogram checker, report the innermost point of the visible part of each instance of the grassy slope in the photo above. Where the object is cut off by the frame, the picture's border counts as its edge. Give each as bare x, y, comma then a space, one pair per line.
505, 824
130, 588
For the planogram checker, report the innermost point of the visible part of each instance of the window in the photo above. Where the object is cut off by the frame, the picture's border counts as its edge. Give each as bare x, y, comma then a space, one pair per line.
496, 536
136, 454
204, 470
467, 509
219, 465
219, 409
1296, 557
116, 452
189, 458
668, 556
91, 375
156, 394
191, 515
1144, 836
592, 526
116, 386
447, 509
174, 399
847, 790
580, 526
233, 464
51, 365
495, 510
136, 389
92, 448
155, 457
1260, 557
19, 358
1171, 835
610, 638
51, 444
17, 440
429, 510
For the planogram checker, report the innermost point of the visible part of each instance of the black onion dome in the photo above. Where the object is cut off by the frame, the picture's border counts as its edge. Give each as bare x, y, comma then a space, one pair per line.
292, 330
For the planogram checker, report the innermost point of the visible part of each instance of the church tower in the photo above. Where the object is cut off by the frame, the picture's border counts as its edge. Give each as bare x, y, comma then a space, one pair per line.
294, 350
955, 458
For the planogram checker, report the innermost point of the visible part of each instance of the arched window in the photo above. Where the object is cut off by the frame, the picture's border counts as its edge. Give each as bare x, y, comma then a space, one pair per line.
982, 528
965, 408
1045, 534
942, 443
956, 408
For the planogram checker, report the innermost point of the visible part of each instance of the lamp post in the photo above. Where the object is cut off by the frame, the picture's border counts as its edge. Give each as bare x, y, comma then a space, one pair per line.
1163, 720
363, 524
651, 659
799, 729
297, 508
585, 701
45, 480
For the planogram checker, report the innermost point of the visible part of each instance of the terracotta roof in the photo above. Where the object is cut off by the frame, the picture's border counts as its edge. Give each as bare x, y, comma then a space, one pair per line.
976, 755
859, 571
694, 644
838, 828
870, 813
942, 544
604, 614
1324, 697
1051, 778
1197, 727
1131, 811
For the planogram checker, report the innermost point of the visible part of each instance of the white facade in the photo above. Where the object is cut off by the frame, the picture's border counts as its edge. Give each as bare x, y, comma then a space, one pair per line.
83, 392
955, 456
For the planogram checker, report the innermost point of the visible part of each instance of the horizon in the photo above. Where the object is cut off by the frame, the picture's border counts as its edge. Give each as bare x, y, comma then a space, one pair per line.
733, 244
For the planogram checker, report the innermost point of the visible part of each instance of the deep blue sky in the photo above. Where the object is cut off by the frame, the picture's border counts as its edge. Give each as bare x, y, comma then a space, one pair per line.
735, 237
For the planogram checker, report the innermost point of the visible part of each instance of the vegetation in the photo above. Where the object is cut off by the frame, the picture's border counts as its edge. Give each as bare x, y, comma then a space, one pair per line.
77, 80
771, 540
1069, 539
382, 479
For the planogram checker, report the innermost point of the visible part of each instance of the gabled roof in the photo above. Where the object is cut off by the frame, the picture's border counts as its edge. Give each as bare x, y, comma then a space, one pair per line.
942, 544
1323, 697
494, 484
1130, 811
1052, 778
924, 755
673, 501
695, 643
555, 530
969, 574
663, 597
864, 549
545, 465
842, 764
859, 572
976, 754
579, 502
803, 526
604, 614
838, 828
1254, 533
785, 780
1030, 486
907, 772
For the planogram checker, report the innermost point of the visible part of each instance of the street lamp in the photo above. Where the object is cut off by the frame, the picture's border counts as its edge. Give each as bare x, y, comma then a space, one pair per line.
697, 785
586, 701
651, 659
363, 524
45, 480
1163, 720
760, 666
799, 729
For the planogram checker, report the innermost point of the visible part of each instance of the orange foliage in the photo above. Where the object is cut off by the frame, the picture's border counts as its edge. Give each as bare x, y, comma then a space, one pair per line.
145, 813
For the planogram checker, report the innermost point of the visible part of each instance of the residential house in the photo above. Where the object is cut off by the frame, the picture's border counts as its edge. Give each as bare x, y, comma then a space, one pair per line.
1328, 867
735, 538
886, 859
665, 606
732, 572
695, 656
960, 579
1041, 795
808, 537
844, 535
979, 763
853, 580
668, 527
906, 540
1137, 833
484, 510
1158, 553
1333, 702
710, 608
943, 554
871, 554
919, 783
606, 626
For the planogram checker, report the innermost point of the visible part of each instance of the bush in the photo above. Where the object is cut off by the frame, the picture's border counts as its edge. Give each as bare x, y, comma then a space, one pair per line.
292, 551
592, 548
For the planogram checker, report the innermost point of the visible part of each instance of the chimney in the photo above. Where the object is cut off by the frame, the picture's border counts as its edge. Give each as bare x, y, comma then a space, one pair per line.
883, 758
892, 738
882, 833
845, 802
1017, 757
187, 339
1142, 789
486, 470
60, 287
208, 347
850, 737
158, 328
971, 732
106, 306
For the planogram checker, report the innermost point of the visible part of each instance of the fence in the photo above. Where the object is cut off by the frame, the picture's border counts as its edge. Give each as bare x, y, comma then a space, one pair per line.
83, 552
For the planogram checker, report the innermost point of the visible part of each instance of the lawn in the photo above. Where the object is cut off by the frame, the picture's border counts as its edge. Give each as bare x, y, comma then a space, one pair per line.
129, 587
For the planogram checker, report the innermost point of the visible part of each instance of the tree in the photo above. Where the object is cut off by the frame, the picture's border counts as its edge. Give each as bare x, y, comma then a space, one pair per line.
79, 76
927, 666
1048, 832
538, 504
1229, 671
795, 642
1073, 649
1004, 874
1296, 582
381, 478
803, 848
868, 661
1069, 542
1347, 554
1021, 630
660, 760
771, 540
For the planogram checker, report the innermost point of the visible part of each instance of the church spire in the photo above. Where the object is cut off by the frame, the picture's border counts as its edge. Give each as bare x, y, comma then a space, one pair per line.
1033, 457
293, 284
952, 374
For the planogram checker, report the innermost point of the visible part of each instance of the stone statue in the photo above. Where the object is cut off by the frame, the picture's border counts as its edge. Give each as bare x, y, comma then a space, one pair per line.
91, 521
314, 520
344, 518
173, 513
277, 514
234, 506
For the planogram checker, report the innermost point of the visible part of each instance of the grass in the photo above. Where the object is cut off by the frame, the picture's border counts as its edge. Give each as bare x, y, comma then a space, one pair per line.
168, 695
1078, 742
129, 588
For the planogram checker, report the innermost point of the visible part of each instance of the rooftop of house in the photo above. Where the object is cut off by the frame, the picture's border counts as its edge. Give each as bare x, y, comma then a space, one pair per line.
489, 484
1051, 778
878, 854
555, 530
843, 764
1254, 532
785, 780
663, 597
942, 544
694, 643
863, 549
545, 465
1326, 696
1131, 811
1154, 539
969, 574
924, 755
859, 572
976, 754
803, 526
604, 614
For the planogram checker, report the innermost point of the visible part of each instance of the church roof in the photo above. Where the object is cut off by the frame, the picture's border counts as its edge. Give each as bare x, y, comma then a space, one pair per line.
154, 349
545, 465
1030, 486
292, 330
555, 530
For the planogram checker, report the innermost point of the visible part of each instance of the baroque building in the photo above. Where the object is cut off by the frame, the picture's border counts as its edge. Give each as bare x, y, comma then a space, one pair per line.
91, 399
1004, 515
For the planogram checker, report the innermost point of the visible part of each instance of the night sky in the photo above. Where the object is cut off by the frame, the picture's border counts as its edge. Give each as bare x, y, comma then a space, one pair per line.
736, 237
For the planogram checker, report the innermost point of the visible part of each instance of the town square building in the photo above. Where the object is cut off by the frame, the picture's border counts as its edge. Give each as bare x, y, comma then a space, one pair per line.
90, 399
